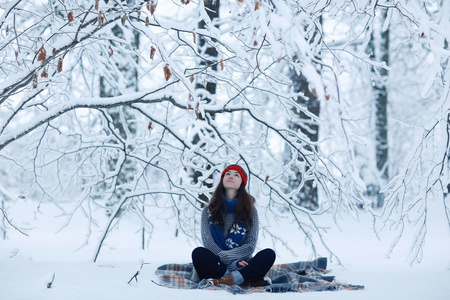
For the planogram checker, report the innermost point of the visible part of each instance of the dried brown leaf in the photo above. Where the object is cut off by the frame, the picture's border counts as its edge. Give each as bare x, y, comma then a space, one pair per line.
221, 65
194, 37
197, 113
100, 18
167, 72
96, 5
147, 21
60, 65
256, 5
42, 54
152, 52
35, 81
70, 16
124, 18
150, 125
111, 52
190, 99
191, 78
44, 74
151, 6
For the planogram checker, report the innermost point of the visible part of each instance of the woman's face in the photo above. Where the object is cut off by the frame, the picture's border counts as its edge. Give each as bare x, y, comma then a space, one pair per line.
232, 180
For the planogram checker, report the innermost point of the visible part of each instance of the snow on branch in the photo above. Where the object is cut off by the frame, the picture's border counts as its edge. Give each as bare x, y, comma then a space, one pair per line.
424, 179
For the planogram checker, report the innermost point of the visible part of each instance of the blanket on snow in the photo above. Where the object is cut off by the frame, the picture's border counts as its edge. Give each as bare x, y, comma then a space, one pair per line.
302, 276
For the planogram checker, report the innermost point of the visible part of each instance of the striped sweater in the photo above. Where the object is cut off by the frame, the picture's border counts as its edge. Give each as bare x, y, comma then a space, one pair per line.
231, 257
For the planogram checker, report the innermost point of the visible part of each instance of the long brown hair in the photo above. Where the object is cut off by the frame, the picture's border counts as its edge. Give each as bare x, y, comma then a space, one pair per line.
243, 210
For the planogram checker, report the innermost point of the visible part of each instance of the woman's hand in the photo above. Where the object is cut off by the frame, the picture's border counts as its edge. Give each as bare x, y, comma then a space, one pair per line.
242, 263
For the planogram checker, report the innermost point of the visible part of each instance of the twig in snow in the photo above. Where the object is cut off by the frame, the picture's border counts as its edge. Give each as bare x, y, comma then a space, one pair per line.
49, 285
137, 273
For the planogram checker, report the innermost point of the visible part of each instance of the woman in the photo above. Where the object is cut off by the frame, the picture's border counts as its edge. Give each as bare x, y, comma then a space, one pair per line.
229, 231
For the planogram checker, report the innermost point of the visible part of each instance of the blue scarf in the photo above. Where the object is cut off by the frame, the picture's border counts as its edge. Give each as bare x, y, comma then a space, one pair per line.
235, 235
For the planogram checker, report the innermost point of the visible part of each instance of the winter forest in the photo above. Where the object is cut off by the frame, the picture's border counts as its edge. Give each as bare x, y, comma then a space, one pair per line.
129, 110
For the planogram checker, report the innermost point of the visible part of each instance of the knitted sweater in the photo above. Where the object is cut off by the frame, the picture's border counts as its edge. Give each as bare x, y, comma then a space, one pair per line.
231, 257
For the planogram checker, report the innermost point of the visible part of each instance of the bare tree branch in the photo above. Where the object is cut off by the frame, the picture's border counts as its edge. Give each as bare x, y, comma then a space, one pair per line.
10, 222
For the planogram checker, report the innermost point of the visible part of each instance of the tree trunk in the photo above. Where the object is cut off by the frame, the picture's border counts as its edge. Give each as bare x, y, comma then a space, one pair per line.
212, 9
107, 89
307, 197
208, 89
379, 49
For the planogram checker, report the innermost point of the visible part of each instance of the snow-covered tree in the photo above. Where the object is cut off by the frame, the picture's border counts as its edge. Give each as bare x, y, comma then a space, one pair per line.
57, 142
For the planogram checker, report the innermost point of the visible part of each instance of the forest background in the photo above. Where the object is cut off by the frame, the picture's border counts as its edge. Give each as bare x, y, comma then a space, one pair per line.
119, 110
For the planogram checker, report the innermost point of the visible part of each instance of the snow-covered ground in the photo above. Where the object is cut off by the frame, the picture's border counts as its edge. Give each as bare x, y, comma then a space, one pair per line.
27, 264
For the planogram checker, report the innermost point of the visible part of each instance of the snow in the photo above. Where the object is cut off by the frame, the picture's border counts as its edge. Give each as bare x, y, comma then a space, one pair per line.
28, 263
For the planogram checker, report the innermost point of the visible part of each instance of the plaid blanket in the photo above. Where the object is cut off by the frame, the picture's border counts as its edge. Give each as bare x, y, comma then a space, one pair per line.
302, 276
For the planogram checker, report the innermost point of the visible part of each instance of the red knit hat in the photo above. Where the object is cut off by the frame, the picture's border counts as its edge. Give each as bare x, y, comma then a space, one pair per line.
239, 170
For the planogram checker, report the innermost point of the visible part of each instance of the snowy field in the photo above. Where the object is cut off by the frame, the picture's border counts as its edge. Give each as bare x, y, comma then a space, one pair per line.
27, 264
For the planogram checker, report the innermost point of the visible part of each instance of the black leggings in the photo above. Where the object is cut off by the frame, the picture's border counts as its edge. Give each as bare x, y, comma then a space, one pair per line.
208, 265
